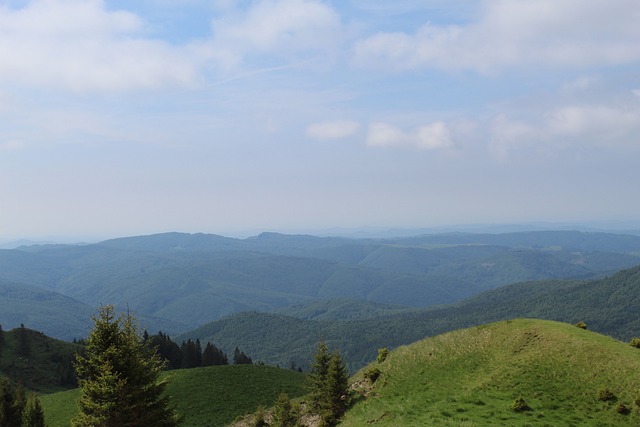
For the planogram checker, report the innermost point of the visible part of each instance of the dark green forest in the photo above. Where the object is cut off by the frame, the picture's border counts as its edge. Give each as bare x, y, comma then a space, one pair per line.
609, 305
175, 282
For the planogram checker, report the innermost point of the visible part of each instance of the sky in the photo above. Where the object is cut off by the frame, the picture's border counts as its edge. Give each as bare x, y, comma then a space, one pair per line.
226, 116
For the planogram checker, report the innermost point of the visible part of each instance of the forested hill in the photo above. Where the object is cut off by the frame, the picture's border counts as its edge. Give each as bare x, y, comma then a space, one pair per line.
609, 306
175, 281
36, 361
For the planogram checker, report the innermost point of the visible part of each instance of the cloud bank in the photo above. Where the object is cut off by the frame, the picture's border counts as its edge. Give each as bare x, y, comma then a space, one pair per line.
515, 33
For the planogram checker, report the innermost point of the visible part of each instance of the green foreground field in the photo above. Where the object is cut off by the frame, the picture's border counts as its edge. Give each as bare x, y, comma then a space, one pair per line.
211, 396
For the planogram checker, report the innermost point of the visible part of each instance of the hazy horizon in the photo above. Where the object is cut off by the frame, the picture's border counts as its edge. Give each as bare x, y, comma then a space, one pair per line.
625, 227
126, 118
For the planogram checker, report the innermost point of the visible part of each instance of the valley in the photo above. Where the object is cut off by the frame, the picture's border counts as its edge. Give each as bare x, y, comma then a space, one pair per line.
276, 296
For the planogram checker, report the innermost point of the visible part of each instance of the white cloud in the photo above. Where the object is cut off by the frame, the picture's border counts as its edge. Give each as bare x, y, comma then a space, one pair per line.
333, 129
280, 27
593, 121
568, 33
429, 137
80, 45
574, 126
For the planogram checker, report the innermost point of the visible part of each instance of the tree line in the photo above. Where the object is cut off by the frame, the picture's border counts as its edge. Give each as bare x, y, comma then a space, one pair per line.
17, 408
191, 354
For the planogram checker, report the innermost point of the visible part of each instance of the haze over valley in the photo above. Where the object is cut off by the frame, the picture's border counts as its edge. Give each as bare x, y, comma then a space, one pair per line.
318, 212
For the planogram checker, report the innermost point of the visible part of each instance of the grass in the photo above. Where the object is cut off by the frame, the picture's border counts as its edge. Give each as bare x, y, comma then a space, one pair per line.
211, 396
472, 377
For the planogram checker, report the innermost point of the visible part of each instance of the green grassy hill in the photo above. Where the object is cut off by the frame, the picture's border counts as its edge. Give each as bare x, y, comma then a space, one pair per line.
212, 396
38, 362
472, 377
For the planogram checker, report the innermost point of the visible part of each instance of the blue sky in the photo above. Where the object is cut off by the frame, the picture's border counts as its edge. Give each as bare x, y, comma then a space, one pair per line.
121, 117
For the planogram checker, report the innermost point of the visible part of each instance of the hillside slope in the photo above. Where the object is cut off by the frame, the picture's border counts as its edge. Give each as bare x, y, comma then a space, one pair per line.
191, 279
209, 397
36, 361
472, 377
609, 305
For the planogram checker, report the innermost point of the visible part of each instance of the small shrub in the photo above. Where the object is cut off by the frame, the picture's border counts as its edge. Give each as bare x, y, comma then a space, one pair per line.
635, 342
382, 354
260, 416
581, 325
519, 405
372, 374
623, 409
605, 395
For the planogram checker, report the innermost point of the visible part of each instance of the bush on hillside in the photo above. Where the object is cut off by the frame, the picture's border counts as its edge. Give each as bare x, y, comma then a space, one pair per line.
635, 342
520, 405
260, 416
605, 395
372, 374
581, 325
623, 409
382, 354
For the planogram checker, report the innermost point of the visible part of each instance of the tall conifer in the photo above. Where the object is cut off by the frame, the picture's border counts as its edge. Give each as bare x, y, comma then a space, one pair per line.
119, 377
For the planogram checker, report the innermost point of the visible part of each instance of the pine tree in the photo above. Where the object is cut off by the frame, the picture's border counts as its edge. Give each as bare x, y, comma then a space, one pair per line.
213, 356
284, 414
8, 415
337, 388
33, 415
24, 350
119, 377
317, 377
19, 402
239, 358
167, 350
328, 385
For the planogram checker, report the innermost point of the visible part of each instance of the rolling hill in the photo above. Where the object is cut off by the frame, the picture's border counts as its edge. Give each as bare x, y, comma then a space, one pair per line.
177, 281
38, 362
208, 397
608, 305
473, 377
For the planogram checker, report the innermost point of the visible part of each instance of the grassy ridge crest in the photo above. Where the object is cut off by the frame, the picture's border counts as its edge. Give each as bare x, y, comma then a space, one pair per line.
471, 377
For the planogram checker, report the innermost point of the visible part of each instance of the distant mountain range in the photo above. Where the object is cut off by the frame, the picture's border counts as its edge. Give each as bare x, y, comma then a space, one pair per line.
175, 282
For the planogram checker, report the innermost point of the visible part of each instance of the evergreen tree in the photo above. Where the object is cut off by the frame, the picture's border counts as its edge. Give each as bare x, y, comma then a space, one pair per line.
213, 356
328, 385
119, 377
1, 338
24, 349
239, 358
197, 354
167, 350
8, 415
33, 415
317, 377
191, 354
284, 414
19, 402
337, 389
